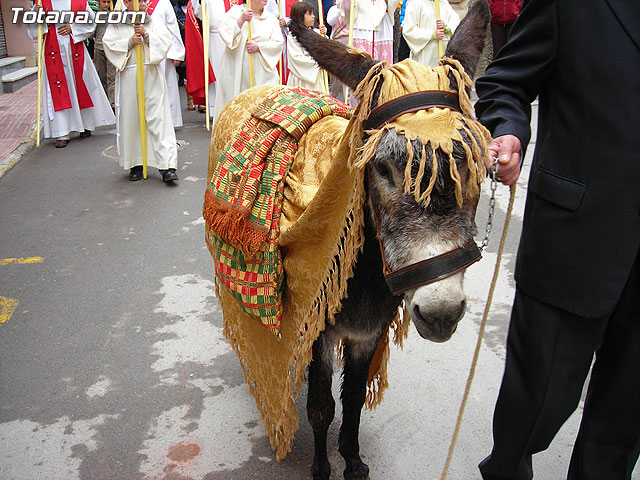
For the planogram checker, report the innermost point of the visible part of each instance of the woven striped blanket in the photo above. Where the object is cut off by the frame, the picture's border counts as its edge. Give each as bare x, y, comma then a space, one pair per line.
243, 201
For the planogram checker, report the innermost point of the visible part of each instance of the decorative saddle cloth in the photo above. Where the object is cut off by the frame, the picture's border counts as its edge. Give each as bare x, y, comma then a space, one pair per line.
243, 202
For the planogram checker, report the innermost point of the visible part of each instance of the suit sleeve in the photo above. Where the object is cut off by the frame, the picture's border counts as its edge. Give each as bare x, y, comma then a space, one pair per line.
520, 72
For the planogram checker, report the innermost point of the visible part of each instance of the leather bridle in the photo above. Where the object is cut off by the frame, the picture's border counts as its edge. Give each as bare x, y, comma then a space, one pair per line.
441, 266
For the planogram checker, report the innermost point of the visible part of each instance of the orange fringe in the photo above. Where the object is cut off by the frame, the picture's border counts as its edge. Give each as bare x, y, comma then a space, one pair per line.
233, 226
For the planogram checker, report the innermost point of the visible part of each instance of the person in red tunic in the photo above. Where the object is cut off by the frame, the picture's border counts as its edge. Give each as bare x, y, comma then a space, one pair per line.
503, 14
73, 99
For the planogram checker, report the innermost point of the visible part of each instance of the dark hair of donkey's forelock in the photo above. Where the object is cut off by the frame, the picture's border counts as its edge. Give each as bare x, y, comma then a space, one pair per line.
299, 9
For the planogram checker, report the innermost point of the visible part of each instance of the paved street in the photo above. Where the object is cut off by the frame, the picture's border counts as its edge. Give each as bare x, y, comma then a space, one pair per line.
112, 360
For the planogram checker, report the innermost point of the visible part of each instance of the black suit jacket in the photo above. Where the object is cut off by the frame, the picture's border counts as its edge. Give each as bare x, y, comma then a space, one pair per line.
581, 231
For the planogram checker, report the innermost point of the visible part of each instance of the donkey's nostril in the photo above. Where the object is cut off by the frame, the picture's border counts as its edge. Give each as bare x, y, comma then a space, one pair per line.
417, 315
463, 309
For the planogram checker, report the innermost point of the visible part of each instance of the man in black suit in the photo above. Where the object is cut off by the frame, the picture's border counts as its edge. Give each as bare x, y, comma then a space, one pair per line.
578, 265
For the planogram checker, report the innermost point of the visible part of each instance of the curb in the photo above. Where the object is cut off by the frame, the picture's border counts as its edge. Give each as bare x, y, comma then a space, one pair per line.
14, 157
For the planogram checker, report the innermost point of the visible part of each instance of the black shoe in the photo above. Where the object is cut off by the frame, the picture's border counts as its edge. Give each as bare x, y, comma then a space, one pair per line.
169, 175
61, 143
85, 134
135, 173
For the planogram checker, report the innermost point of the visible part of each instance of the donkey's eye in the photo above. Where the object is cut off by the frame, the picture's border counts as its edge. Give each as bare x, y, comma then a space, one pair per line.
383, 170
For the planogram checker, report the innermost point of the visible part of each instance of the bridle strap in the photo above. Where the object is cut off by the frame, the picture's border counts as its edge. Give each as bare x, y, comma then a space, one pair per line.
427, 271
412, 102
433, 269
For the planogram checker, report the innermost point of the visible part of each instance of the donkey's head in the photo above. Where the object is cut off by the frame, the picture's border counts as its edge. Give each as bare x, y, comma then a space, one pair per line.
423, 157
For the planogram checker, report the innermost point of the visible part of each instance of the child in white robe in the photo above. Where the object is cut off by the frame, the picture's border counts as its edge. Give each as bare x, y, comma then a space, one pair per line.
120, 42
303, 69
215, 12
264, 50
422, 30
164, 11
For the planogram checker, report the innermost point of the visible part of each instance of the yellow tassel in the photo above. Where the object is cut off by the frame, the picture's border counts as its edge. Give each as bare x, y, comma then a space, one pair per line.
420, 174
455, 176
407, 168
425, 199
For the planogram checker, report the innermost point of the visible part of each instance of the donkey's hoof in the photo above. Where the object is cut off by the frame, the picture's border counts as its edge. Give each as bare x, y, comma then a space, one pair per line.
321, 471
359, 471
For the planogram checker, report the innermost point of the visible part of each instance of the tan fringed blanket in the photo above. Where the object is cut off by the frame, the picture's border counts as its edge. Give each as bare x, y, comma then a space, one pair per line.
320, 227
243, 203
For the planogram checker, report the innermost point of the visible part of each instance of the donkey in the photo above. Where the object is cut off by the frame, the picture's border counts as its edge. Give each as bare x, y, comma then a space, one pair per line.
399, 231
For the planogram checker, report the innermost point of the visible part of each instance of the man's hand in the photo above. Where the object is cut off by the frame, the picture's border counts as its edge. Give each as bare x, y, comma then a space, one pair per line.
176, 62
323, 30
282, 22
64, 29
508, 150
139, 28
252, 47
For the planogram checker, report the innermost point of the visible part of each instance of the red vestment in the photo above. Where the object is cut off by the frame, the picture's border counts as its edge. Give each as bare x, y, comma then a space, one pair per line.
55, 69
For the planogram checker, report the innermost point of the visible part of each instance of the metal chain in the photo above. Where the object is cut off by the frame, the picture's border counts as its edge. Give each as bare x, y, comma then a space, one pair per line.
493, 171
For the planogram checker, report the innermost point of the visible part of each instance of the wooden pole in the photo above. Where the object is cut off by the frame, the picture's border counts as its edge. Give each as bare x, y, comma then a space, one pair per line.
39, 86
440, 42
252, 79
142, 119
325, 80
205, 38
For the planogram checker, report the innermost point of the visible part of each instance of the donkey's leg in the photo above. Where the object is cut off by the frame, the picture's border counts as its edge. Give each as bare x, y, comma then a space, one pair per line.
354, 386
320, 405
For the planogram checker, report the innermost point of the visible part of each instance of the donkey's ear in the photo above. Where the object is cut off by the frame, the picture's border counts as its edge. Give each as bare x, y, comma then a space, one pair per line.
467, 41
349, 66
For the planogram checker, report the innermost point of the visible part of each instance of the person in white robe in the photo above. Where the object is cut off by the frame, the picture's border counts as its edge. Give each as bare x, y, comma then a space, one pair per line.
265, 47
164, 10
215, 12
372, 29
339, 33
422, 30
273, 7
120, 42
303, 70
60, 123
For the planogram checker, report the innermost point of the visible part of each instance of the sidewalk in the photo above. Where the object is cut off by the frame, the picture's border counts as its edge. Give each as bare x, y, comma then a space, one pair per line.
17, 125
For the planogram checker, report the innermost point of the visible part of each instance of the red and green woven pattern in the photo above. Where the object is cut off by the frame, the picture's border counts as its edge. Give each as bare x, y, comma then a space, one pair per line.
243, 201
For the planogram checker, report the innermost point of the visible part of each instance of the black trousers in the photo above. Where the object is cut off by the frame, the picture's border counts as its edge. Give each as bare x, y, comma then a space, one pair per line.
549, 354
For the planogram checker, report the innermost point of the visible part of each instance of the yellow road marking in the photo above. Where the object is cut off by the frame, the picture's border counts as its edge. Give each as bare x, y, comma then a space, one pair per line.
7, 307
20, 261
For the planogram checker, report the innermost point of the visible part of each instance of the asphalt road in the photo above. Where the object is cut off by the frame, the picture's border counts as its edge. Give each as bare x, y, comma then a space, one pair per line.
113, 364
